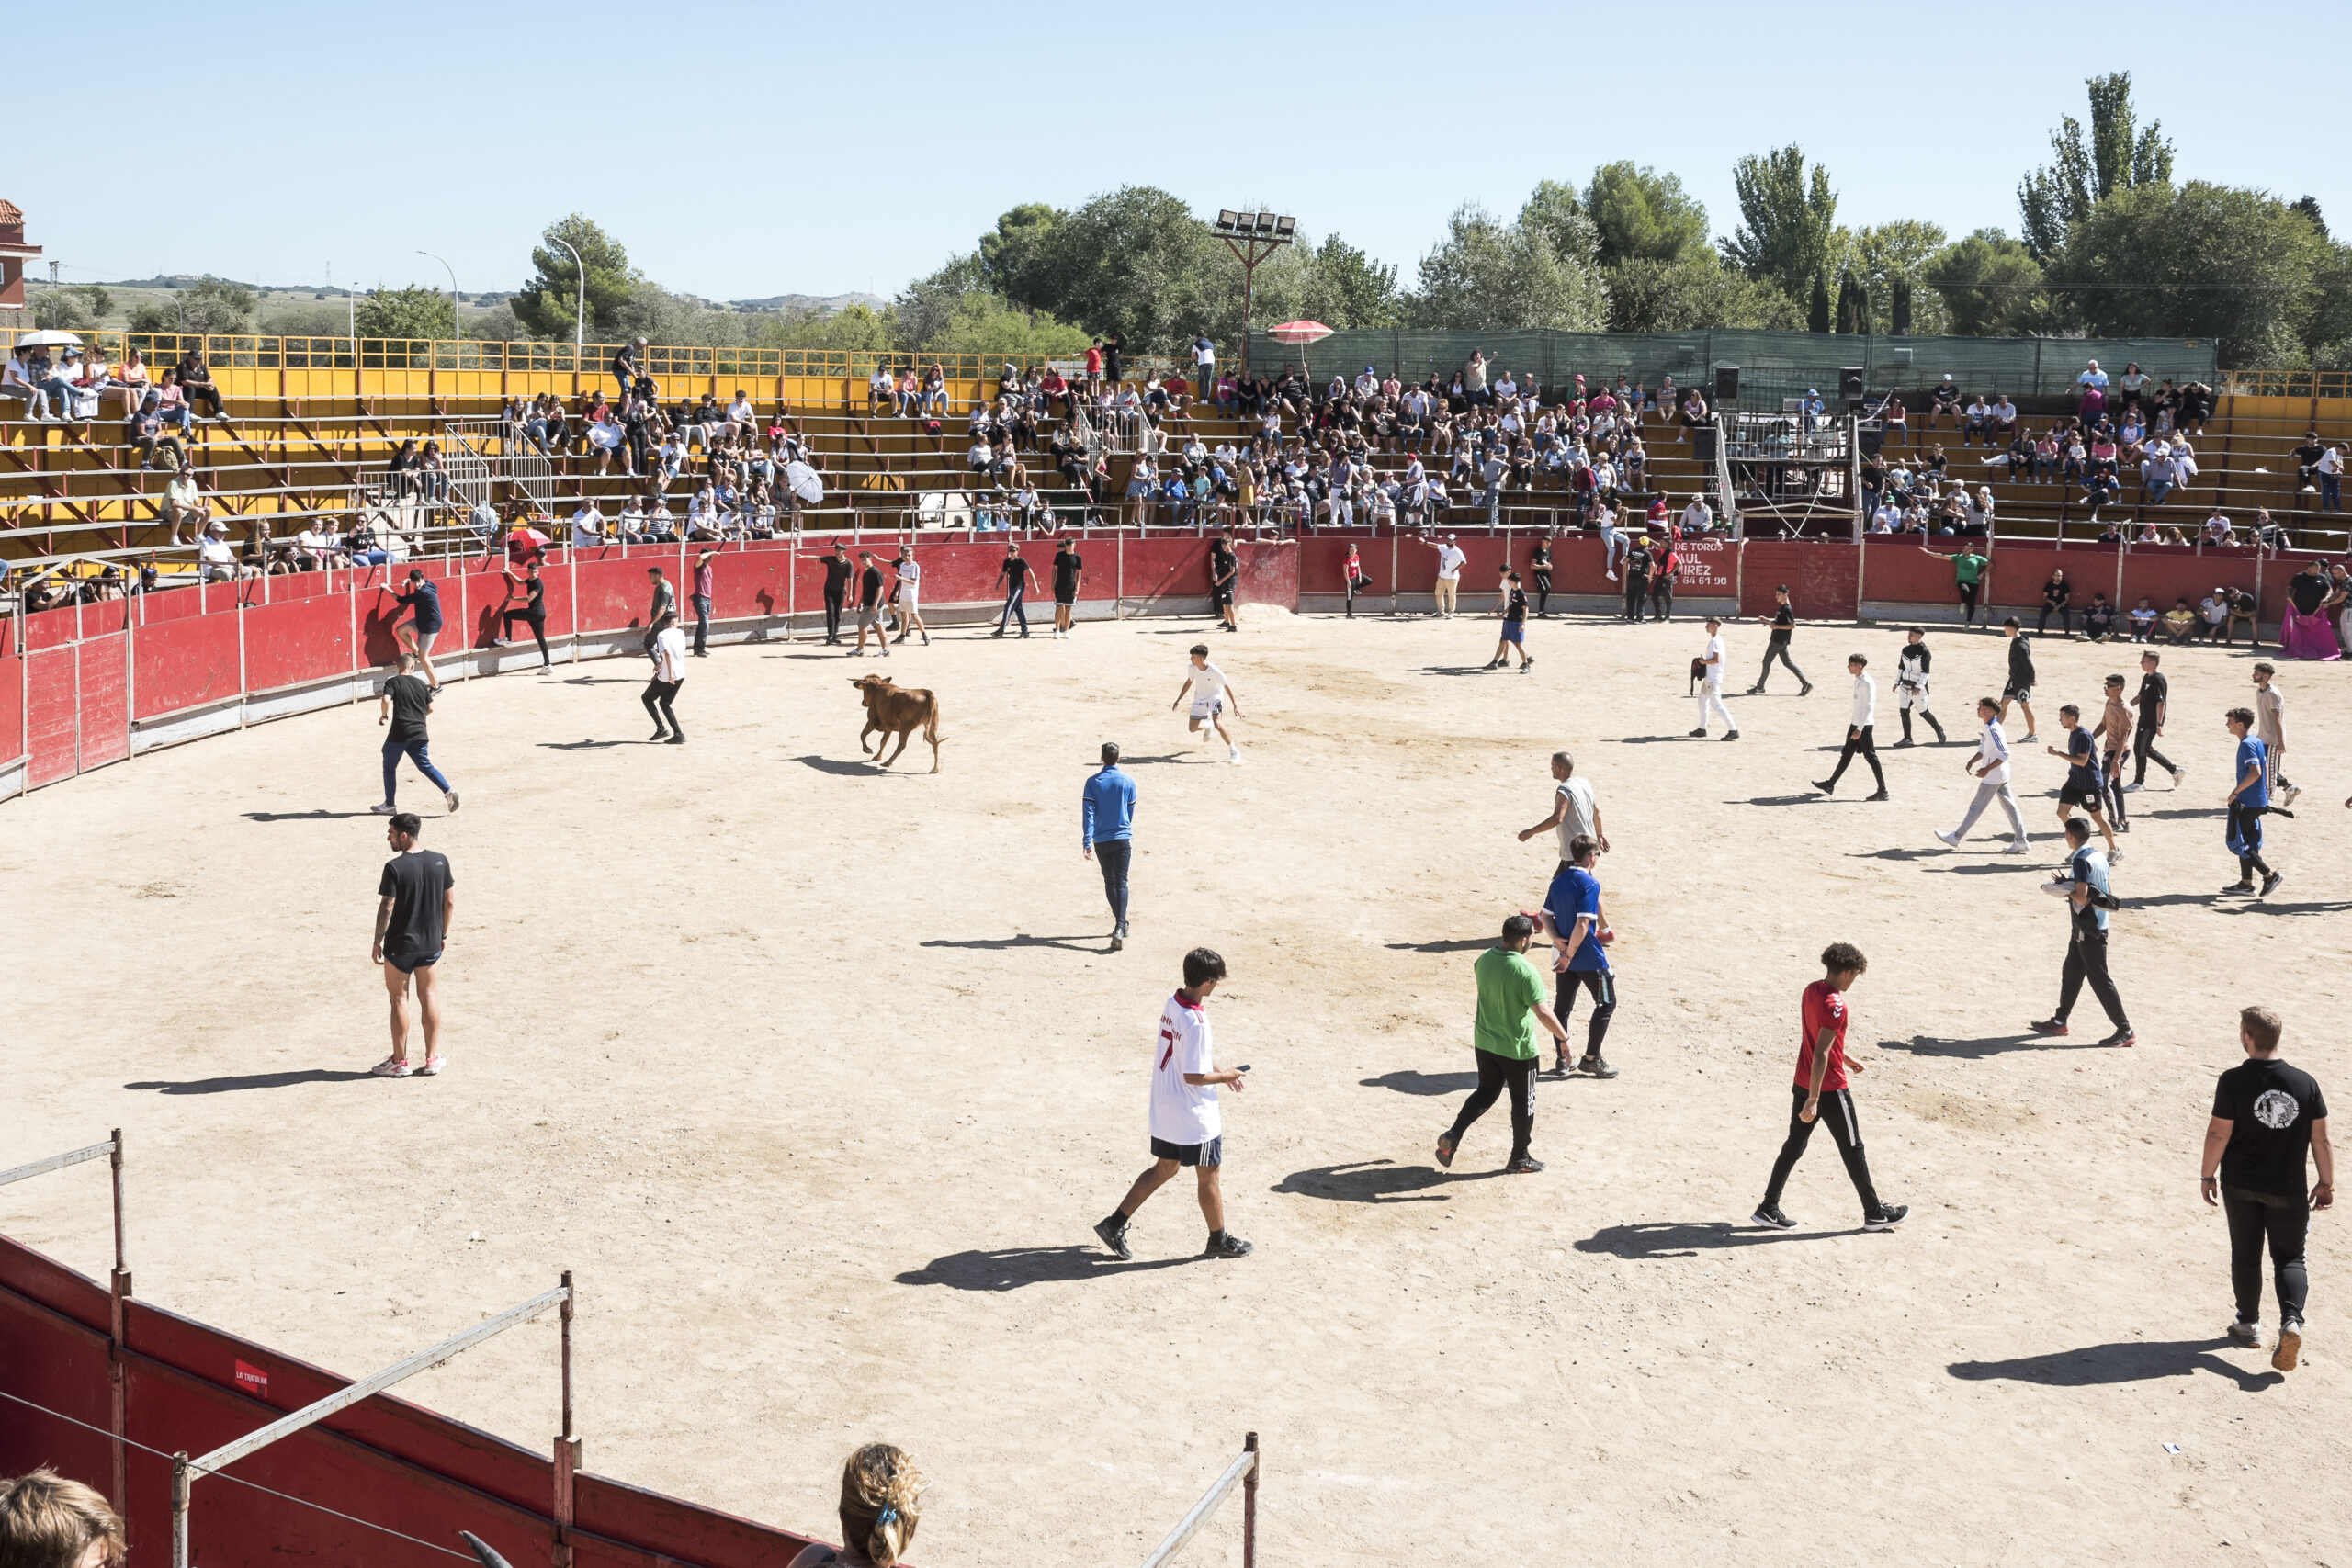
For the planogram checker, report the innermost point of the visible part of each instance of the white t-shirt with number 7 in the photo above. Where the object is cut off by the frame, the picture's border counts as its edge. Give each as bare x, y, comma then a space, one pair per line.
1182, 1112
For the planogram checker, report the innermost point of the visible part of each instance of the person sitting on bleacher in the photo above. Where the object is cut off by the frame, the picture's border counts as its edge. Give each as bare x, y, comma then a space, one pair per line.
145, 431
1979, 422
196, 382
16, 380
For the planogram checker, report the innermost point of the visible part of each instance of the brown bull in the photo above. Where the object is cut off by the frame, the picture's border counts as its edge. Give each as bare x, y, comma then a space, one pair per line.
896, 712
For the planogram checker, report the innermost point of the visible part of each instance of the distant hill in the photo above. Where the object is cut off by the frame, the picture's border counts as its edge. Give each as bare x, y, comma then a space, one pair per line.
818, 304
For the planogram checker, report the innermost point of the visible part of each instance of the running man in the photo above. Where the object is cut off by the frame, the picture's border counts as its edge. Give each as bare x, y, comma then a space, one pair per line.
1785, 627
2084, 785
1187, 1124
403, 705
2266, 1117
2089, 897
2247, 801
1070, 571
1822, 1067
908, 594
2270, 724
1860, 727
2152, 700
870, 606
1510, 992
1580, 933
1510, 604
1968, 577
1911, 685
1711, 689
415, 901
1014, 574
1990, 769
1106, 819
669, 674
1211, 691
421, 600
2019, 689
1575, 812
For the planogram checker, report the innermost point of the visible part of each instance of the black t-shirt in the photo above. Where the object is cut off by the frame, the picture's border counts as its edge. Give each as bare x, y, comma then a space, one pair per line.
1222, 566
411, 700
1637, 565
1014, 573
2153, 689
2307, 589
2271, 1107
1914, 662
1515, 605
414, 883
535, 596
1066, 570
869, 587
1785, 624
2020, 661
2309, 453
837, 572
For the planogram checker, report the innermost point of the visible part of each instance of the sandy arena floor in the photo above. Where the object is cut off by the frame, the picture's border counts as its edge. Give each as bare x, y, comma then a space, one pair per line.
819, 1079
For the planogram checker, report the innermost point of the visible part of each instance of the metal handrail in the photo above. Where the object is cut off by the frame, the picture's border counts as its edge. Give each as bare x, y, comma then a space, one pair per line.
1243, 1471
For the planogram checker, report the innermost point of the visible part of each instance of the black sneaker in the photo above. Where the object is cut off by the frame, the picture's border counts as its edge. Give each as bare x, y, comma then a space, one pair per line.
2054, 1027
1231, 1246
1880, 796
1889, 1215
1116, 1238
2237, 888
1824, 785
1596, 1068
2127, 1035
1525, 1165
1699, 733
1731, 735
1445, 1148
1769, 1214
2269, 884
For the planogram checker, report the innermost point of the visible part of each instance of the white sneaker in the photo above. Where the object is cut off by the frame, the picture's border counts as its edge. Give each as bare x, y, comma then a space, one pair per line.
2134, 789
1610, 575
390, 1069
1234, 755
382, 809
2021, 847
2178, 775
1951, 841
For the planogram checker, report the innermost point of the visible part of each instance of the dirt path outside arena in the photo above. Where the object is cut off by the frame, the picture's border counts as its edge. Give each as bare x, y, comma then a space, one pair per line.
818, 1078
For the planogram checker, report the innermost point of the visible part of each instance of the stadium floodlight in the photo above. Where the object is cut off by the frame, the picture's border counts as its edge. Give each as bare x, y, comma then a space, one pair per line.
1251, 237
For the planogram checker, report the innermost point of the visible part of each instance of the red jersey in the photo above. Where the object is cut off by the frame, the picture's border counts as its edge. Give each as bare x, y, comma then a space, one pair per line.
1824, 1008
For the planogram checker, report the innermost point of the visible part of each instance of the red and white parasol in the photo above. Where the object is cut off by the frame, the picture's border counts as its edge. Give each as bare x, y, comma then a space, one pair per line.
1299, 332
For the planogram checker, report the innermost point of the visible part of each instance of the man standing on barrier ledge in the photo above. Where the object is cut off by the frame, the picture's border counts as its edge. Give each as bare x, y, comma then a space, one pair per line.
415, 901
422, 600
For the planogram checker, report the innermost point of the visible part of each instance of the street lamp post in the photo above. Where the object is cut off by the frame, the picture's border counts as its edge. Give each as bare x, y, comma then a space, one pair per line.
579, 312
456, 319
1252, 237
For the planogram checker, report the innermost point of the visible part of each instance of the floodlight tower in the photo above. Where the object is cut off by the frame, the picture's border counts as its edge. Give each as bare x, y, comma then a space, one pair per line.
1252, 237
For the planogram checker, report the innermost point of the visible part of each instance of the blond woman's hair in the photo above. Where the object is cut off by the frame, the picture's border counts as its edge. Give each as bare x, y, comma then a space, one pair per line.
47, 1521
881, 1502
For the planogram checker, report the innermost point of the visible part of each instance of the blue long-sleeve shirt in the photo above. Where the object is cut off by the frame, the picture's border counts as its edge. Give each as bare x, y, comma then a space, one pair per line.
1108, 808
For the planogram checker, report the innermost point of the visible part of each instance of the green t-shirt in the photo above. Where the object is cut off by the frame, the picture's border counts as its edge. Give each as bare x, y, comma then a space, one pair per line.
1969, 565
1508, 987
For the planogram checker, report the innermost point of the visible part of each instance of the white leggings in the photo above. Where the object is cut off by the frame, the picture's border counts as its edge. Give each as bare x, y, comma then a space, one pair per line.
1710, 701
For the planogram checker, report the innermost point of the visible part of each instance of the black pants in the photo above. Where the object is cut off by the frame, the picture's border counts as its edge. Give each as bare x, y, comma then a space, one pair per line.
2245, 828
2065, 618
658, 697
702, 621
1638, 589
1495, 1075
2255, 1217
1013, 606
1968, 603
1543, 593
1857, 740
1779, 648
1661, 599
1603, 983
2111, 785
833, 615
2143, 751
204, 392
1837, 1112
1933, 723
539, 625
1112, 855
2087, 959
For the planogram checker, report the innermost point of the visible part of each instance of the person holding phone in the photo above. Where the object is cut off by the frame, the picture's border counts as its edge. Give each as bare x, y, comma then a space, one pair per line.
1187, 1125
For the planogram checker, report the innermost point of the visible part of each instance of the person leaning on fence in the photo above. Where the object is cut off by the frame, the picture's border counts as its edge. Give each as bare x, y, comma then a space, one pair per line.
881, 1504
47, 1521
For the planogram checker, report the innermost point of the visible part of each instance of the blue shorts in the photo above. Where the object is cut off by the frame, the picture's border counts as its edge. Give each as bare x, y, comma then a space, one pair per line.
1210, 1153
1515, 631
407, 966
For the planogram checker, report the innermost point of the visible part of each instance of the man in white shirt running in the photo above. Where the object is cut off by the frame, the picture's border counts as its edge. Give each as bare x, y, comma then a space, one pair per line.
669, 674
1187, 1125
1711, 689
1448, 573
1859, 726
1212, 692
1575, 812
1990, 769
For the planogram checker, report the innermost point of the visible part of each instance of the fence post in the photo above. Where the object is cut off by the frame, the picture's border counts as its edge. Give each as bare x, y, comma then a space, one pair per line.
118, 1293
1249, 1505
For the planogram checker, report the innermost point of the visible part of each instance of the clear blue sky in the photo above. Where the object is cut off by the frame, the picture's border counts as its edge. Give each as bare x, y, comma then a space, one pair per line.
819, 150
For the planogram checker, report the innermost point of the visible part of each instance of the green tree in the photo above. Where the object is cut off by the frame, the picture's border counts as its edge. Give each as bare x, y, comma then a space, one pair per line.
1487, 273
1884, 255
855, 328
547, 302
1552, 210
2199, 260
1853, 304
1816, 315
1018, 257
1136, 264
2117, 155
1898, 307
216, 305
2308, 206
64, 309
1694, 292
1641, 215
1990, 286
1787, 216
1342, 286
415, 312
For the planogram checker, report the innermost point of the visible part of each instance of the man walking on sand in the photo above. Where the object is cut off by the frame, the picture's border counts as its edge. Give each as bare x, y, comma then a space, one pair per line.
1211, 694
1106, 834
2020, 688
2084, 787
1510, 991
416, 898
1860, 724
2089, 897
662, 691
2153, 701
1014, 573
403, 705
1711, 689
869, 606
1575, 812
1069, 572
1577, 928
1187, 1125
1821, 1094
1911, 685
1785, 627
2248, 801
2270, 724
2267, 1118
907, 595
1990, 769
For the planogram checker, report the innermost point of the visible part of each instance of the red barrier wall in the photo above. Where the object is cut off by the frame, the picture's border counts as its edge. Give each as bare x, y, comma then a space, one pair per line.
185, 663
50, 698
297, 640
12, 708
102, 673
1822, 579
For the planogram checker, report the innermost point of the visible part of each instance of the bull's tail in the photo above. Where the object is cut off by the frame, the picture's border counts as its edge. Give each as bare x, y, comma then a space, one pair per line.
931, 728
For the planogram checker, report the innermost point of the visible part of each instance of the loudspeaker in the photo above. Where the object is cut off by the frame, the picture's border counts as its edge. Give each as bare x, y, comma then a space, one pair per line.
1849, 381
1702, 443
1726, 383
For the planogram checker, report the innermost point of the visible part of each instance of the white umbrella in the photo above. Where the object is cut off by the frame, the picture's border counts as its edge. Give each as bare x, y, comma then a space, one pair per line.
48, 340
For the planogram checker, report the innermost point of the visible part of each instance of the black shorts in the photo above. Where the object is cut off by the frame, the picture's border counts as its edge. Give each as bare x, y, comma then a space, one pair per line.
1220, 598
2017, 693
1210, 1153
1065, 599
410, 963
2075, 795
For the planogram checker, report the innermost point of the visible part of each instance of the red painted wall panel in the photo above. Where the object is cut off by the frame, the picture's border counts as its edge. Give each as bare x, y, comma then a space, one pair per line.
1267, 574
749, 582
49, 628
177, 603
613, 589
1896, 572
295, 641
1821, 578
105, 676
12, 708
1168, 568
50, 699
184, 664
2165, 573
